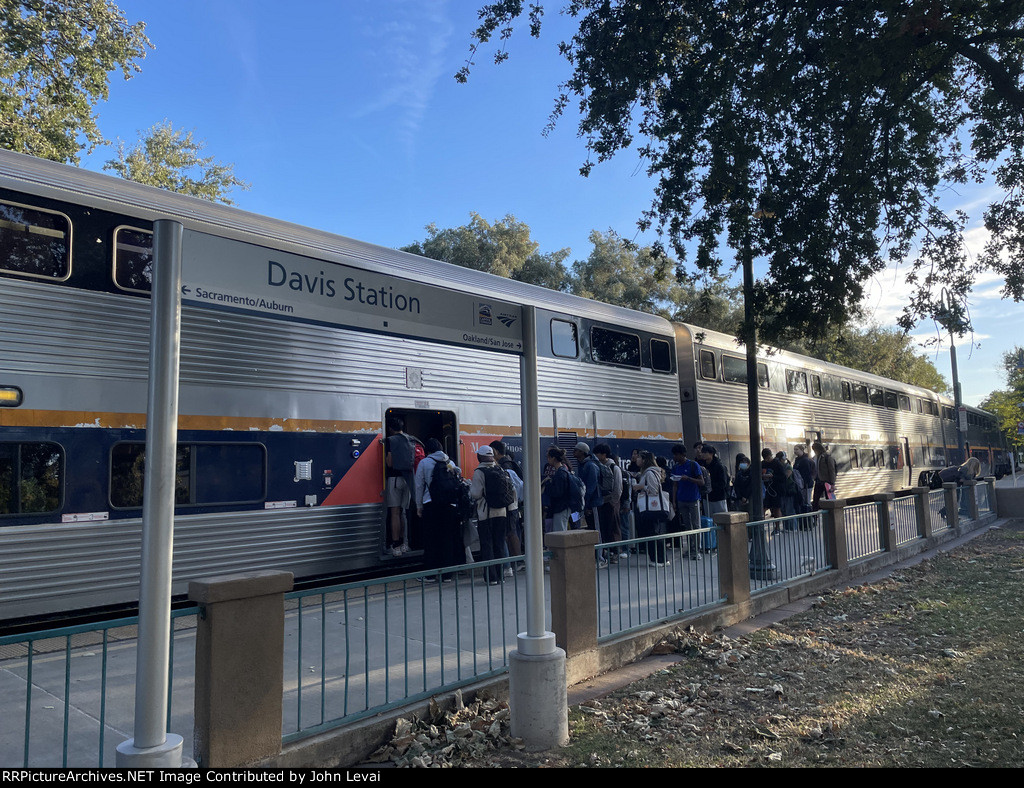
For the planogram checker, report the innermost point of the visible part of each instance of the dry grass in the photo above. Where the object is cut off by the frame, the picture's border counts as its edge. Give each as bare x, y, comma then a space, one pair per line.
922, 669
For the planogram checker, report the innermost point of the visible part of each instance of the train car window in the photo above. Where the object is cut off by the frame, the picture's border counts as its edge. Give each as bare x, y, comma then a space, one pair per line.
734, 369
796, 381
133, 259
891, 400
876, 396
905, 403
854, 459
708, 369
206, 473
229, 472
947, 413
127, 471
564, 339
860, 393
894, 458
35, 242
661, 355
614, 347
867, 458
815, 385
847, 391
31, 477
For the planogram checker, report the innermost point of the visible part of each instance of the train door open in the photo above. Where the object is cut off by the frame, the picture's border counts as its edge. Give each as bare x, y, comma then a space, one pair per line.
421, 425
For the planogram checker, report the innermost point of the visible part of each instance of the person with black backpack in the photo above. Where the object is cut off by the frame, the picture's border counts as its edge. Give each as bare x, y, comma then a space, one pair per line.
494, 492
438, 484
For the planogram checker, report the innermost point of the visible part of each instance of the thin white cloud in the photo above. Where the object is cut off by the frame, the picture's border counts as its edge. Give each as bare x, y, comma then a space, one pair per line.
409, 63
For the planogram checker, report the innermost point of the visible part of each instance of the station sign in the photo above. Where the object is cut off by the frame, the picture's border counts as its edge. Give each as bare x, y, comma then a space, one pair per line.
220, 273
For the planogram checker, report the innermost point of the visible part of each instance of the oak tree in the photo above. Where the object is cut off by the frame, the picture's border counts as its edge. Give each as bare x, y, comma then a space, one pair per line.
818, 136
173, 160
56, 61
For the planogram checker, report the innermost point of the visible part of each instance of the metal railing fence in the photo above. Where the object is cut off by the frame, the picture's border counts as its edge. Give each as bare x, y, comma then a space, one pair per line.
903, 516
984, 501
72, 689
864, 530
654, 579
786, 548
356, 649
937, 510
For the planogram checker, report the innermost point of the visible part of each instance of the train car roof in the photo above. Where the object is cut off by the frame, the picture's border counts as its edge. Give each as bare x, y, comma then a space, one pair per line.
723, 341
73, 184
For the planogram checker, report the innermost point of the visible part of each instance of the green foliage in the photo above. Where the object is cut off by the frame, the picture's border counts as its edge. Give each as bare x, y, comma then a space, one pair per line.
618, 272
56, 58
1008, 403
171, 160
503, 248
888, 352
818, 136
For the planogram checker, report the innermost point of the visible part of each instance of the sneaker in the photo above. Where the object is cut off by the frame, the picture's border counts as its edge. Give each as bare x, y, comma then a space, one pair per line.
404, 548
521, 567
602, 564
507, 572
430, 579
614, 558
493, 582
396, 552
694, 557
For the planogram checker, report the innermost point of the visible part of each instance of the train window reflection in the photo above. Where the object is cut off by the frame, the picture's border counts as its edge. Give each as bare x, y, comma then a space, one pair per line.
133, 259
31, 477
35, 242
734, 370
905, 403
614, 347
564, 339
847, 391
860, 393
815, 386
876, 397
891, 400
707, 365
796, 381
205, 473
661, 355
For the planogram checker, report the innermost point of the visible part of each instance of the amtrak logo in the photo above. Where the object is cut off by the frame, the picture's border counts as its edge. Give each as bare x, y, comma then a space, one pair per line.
483, 315
507, 320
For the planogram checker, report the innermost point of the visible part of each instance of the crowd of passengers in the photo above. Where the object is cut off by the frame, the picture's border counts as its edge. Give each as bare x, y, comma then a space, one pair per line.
644, 497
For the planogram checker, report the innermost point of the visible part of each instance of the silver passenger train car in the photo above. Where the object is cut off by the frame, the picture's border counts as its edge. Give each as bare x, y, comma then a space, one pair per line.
882, 434
283, 396
282, 399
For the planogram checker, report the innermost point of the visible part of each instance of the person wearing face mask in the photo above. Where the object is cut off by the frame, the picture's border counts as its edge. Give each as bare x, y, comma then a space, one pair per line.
741, 482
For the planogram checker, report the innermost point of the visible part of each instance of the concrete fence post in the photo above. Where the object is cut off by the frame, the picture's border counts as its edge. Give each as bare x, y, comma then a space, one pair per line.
970, 485
733, 560
922, 512
990, 483
834, 514
239, 667
885, 523
952, 507
573, 590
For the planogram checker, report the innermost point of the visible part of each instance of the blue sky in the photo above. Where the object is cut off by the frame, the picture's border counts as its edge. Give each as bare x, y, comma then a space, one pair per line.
345, 116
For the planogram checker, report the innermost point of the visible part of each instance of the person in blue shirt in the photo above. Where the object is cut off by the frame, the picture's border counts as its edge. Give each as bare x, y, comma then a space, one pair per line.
688, 482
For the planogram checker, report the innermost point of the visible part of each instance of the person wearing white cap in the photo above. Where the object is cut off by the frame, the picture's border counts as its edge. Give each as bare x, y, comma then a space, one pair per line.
493, 491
